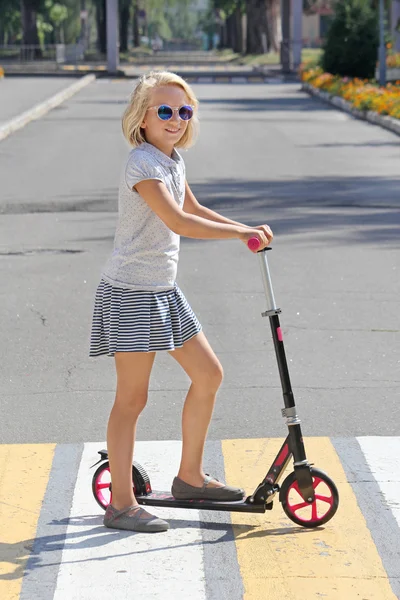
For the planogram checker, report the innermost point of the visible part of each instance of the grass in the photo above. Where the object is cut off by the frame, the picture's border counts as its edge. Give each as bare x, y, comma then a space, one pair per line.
272, 58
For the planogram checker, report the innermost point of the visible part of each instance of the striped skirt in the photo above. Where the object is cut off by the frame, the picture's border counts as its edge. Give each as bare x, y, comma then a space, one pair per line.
126, 320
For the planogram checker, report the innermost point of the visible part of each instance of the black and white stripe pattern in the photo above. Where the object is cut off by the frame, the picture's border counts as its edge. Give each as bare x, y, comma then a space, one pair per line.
126, 320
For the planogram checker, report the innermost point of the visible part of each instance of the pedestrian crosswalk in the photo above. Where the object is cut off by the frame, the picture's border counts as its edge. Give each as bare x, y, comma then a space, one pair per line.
53, 545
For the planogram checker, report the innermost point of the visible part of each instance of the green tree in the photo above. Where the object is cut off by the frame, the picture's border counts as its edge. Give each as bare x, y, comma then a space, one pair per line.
10, 21
72, 24
352, 41
100, 17
29, 13
124, 19
262, 32
256, 38
58, 13
44, 29
135, 23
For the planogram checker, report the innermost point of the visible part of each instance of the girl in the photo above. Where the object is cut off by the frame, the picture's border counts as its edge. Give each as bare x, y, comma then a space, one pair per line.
139, 310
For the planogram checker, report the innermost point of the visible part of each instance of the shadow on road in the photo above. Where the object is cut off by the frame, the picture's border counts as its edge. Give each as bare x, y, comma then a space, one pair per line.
269, 103
369, 207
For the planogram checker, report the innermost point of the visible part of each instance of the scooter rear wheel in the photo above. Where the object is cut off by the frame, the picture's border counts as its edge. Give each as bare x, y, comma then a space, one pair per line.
101, 483
310, 514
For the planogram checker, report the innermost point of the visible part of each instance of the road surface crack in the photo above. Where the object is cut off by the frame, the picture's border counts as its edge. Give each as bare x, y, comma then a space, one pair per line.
40, 315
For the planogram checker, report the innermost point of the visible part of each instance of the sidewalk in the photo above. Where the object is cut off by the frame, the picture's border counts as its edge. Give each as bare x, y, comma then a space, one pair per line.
193, 72
19, 94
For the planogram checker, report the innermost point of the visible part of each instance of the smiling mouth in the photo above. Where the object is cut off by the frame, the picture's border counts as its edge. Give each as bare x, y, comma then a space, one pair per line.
172, 130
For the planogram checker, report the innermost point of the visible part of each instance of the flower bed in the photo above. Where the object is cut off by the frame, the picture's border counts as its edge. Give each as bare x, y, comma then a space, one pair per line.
393, 61
362, 94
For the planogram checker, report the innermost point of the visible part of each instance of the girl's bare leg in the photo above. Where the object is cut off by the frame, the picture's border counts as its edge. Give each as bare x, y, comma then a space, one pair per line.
133, 376
197, 358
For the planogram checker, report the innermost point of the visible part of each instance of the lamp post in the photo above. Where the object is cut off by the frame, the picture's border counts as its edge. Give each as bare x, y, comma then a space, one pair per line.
382, 48
112, 36
286, 42
297, 12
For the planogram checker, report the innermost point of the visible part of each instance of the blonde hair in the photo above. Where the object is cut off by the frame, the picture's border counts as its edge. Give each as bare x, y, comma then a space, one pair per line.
139, 102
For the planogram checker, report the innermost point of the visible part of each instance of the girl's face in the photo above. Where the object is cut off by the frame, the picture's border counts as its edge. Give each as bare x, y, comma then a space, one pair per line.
165, 134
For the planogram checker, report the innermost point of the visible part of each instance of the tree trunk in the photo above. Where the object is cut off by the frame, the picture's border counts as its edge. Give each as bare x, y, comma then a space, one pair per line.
238, 47
135, 25
124, 27
29, 29
223, 43
101, 26
230, 31
273, 23
257, 32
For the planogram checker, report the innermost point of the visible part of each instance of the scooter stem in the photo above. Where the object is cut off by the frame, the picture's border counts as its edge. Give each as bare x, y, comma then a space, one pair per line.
266, 277
295, 438
254, 244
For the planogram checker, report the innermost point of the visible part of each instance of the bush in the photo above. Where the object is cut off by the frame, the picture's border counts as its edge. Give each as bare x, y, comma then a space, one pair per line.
351, 46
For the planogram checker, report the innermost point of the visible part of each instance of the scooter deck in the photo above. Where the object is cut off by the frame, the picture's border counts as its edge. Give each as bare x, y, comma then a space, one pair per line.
156, 498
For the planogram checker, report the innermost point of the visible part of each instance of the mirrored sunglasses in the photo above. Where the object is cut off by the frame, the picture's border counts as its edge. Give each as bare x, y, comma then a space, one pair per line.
165, 112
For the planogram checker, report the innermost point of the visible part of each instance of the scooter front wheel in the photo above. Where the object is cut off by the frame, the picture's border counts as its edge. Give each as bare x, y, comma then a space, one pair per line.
101, 483
309, 514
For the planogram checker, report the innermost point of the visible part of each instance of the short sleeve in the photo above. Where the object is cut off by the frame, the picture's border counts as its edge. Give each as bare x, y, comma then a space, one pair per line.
140, 167
181, 163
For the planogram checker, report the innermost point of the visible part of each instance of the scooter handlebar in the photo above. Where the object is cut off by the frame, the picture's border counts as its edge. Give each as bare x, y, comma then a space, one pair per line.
253, 244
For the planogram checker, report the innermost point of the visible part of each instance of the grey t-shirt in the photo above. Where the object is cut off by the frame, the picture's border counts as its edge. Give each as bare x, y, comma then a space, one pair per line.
146, 251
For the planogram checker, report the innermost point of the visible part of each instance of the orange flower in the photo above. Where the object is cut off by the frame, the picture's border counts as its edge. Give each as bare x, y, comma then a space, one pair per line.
363, 94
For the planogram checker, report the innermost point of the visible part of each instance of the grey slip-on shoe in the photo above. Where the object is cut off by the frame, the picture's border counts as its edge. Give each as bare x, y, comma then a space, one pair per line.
183, 491
133, 518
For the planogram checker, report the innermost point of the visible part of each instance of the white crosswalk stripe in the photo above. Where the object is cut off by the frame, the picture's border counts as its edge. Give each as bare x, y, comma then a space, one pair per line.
124, 566
205, 555
383, 458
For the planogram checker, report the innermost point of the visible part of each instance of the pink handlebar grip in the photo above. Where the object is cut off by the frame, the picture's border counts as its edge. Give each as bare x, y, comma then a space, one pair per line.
253, 244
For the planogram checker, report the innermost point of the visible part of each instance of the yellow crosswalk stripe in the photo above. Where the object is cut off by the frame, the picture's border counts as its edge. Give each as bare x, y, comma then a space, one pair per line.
24, 474
338, 561
280, 560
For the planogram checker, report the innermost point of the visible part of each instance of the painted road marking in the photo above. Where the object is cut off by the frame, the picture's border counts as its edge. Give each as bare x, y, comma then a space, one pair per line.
44, 107
24, 472
382, 454
378, 516
111, 564
202, 556
282, 561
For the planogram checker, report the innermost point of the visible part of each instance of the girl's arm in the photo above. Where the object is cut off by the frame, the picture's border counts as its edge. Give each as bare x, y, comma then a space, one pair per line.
193, 207
157, 196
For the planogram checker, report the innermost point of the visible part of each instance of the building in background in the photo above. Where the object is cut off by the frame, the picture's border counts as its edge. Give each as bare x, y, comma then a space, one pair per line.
316, 21
395, 24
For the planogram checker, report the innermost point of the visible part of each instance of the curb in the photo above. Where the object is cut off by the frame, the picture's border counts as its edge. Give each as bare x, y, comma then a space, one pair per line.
41, 109
386, 122
254, 78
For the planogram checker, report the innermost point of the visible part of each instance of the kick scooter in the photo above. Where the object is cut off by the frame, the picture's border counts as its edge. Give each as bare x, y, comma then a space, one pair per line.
308, 496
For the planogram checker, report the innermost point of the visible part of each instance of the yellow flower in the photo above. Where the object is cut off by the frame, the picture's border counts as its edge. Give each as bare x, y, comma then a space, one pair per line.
362, 93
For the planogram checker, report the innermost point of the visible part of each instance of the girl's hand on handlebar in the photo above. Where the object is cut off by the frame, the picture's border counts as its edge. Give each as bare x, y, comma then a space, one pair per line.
267, 231
247, 234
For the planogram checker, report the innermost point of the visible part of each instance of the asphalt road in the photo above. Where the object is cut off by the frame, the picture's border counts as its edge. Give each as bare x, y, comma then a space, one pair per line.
327, 184
18, 94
